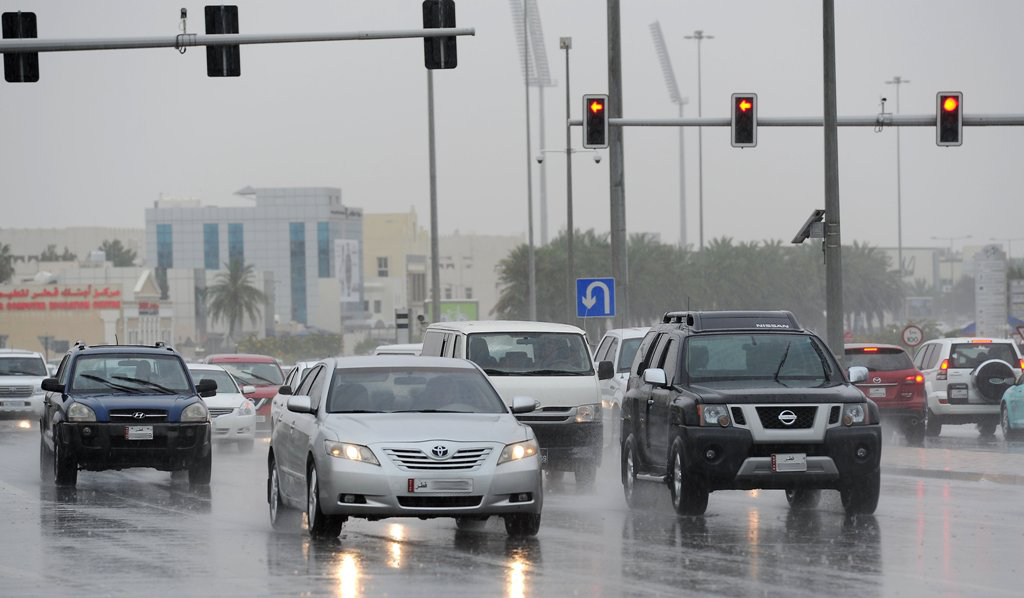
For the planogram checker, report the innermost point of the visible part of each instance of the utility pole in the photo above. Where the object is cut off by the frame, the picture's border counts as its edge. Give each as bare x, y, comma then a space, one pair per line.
833, 240
566, 44
617, 176
531, 257
435, 265
700, 37
897, 81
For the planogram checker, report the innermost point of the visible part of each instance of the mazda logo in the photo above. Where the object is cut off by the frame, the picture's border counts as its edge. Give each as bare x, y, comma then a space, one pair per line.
439, 451
787, 417
877, 380
139, 415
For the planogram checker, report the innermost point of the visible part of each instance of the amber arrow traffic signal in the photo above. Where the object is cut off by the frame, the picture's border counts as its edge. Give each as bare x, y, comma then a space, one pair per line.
595, 121
744, 120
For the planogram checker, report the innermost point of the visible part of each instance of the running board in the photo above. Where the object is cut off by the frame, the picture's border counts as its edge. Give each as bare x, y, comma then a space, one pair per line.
646, 477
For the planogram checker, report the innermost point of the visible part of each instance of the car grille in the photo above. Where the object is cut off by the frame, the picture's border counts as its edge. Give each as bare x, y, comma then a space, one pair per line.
546, 415
467, 459
770, 417
15, 391
439, 502
148, 415
219, 411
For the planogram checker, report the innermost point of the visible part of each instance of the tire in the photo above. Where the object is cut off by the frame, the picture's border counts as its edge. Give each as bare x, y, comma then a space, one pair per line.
282, 517
688, 496
65, 469
803, 499
932, 424
200, 472
246, 446
586, 475
470, 523
915, 433
320, 525
522, 525
639, 495
860, 497
987, 429
45, 462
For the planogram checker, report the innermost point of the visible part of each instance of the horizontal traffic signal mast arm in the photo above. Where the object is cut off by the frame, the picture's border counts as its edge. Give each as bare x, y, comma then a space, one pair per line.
188, 40
889, 120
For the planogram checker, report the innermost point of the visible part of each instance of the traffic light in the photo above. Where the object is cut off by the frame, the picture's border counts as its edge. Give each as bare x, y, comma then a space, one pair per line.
20, 68
222, 61
595, 121
439, 52
949, 118
744, 120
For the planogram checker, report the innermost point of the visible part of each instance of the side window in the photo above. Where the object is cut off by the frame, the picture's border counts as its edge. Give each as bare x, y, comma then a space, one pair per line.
432, 343
307, 382
643, 354
922, 356
317, 388
62, 371
602, 349
612, 348
657, 355
457, 351
938, 349
446, 340
670, 360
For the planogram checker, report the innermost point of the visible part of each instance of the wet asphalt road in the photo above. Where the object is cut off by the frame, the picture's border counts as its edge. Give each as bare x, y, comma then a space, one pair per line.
940, 530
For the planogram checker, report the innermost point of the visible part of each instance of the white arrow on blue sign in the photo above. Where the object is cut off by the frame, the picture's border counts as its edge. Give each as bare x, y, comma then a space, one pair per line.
595, 297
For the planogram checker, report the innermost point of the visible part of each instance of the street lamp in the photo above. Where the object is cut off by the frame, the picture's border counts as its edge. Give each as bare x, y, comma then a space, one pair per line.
700, 37
676, 98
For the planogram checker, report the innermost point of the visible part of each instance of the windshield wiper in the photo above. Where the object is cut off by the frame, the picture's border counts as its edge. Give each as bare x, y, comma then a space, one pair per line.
785, 354
257, 376
550, 372
429, 411
110, 384
163, 389
494, 372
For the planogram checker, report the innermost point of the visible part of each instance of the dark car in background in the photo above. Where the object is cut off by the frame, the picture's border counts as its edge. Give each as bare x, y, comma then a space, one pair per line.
894, 384
262, 372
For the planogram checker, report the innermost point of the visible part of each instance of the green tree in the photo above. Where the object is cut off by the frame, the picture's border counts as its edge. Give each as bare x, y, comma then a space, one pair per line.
118, 254
6, 263
50, 255
233, 296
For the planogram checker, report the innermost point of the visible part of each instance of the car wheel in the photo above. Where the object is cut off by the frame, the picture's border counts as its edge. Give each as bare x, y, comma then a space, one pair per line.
45, 462
519, 525
320, 525
282, 517
465, 523
246, 446
585, 474
688, 496
987, 429
860, 496
801, 499
200, 472
639, 495
65, 469
932, 424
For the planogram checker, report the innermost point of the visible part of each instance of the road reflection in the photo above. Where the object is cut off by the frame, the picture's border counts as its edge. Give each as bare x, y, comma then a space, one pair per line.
348, 574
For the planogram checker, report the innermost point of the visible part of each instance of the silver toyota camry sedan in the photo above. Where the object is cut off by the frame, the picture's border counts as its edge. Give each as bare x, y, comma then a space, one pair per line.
401, 436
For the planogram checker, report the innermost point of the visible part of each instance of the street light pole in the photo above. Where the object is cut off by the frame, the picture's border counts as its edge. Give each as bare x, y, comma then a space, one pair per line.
833, 241
531, 257
897, 81
566, 44
435, 265
700, 37
661, 49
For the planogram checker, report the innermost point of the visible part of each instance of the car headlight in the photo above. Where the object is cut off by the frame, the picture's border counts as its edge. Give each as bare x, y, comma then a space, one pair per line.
518, 450
78, 412
855, 413
588, 413
246, 408
196, 412
352, 452
714, 415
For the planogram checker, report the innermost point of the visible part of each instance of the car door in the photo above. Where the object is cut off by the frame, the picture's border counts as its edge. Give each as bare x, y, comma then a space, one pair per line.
658, 424
646, 405
304, 428
291, 457
51, 403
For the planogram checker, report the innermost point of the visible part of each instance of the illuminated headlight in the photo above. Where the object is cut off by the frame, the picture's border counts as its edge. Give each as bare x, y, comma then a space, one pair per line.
855, 413
78, 412
196, 412
606, 404
352, 452
588, 413
246, 408
714, 415
517, 451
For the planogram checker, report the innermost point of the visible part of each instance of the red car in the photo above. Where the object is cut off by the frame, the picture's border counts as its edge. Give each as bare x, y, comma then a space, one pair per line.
260, 371
894, 384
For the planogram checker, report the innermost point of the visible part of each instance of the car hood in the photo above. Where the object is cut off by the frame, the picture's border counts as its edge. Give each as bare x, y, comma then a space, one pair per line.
33, 381
768, 391
550, 391
381, 428
224, 400
103, 404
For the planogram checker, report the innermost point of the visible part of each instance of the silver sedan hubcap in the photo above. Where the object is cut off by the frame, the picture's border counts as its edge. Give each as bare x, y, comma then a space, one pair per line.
312, 498
677, 477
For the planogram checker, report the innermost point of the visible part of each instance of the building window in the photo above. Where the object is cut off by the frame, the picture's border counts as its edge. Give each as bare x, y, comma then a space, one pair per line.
323, 252
164, 246
417, 288
382, 267
236, 242
297, 251
366, 305
447, 292
376, 306
468, 293
211, 246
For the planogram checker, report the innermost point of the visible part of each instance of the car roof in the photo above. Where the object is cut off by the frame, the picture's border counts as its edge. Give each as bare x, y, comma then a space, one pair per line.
400, 347
472, 326
20, 353
731, 321
390, 361
634, 332
137, 349
970, 339
237, 357
865, 345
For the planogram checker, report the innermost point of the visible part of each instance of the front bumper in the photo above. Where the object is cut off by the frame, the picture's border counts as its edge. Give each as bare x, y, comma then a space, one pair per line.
381, 491
233, 427
940, 404
740, 464
565, 444
30, 407
101, 446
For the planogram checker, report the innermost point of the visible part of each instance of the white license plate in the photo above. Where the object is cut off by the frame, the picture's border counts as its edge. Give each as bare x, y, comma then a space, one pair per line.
784, 462
261, 418
449, 486
958, 393
138, 432
877, 392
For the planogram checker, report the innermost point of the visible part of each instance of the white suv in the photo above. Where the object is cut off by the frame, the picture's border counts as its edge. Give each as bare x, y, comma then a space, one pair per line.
618, 346
21, 374
965, 378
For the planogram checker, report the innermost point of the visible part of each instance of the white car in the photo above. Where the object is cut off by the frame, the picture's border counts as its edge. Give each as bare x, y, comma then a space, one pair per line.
21, 374
619, 347
404, 349
965, 379
399, 436
232, 416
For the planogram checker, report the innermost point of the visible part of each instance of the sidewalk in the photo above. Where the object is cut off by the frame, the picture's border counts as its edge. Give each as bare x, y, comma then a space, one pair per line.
959, 464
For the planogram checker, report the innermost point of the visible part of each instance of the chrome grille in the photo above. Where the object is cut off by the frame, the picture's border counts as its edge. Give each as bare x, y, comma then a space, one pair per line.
546, 415
219, 411
15, 391
148, 415
409, 459
770, 417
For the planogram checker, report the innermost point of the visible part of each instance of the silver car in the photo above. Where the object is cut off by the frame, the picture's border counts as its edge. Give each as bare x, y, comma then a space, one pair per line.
400, 436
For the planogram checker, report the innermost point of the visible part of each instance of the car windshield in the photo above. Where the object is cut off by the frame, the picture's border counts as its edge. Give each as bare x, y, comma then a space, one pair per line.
22, 366
255, 373
126, 373
879, 359
405, 390
971, 355
225, 383
789, 359
531, 354
628, 352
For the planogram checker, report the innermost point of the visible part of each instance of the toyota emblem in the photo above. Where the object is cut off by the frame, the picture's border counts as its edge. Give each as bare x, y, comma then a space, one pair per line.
787, 417
139, 415
876, 380
439, 451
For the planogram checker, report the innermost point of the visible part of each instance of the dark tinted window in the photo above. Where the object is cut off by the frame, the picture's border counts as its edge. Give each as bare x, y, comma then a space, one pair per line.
129, 373
256, 374
971, 355
646, 353
22, 366
792, 359
392, 390
879, 360
670, 361
628, 352
531, 354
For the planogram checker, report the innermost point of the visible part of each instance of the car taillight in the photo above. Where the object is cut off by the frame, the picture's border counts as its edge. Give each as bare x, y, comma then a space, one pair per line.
1022, 364
918, 379
943, 370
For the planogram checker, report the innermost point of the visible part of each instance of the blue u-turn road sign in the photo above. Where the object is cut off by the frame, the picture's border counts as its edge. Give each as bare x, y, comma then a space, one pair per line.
595, 297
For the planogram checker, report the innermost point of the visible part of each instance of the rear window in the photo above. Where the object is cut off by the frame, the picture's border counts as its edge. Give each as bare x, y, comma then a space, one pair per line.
22, 366
879, 360
971, 355
225, 383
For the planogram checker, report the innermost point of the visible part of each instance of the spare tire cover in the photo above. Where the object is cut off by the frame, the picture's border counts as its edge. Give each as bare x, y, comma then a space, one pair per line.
992, 378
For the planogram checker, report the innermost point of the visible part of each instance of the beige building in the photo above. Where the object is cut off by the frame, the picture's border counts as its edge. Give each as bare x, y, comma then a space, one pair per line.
395, 266
27, 243
469, 268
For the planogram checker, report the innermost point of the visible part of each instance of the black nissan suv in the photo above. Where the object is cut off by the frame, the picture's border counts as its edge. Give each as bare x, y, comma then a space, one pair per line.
115, 407
742, 400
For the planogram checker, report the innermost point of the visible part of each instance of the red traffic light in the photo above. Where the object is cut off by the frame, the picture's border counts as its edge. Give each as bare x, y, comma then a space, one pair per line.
950, 104
596, 106
745, 105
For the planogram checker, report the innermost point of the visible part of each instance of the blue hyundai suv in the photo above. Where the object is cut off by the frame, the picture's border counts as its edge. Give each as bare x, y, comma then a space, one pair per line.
115, 407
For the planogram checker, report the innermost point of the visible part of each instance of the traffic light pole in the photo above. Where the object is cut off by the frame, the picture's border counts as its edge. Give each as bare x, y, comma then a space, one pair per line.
833, 240
435, 258
617, 175
878, 120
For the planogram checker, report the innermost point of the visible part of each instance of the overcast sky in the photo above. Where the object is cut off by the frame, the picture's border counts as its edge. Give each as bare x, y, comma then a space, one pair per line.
103, 134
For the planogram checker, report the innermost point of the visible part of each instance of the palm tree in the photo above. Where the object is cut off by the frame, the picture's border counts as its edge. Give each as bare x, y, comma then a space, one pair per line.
6, 263
233, 296
117, 253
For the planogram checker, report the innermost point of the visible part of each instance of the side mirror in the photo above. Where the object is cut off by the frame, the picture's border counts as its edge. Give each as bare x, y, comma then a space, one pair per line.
206, 388
524, 405
858, 374
655, 376
51, 385
605, 370
299, 404
248, 389
284, 390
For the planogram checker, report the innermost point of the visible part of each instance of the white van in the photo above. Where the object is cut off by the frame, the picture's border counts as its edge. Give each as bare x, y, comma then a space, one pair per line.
549, 363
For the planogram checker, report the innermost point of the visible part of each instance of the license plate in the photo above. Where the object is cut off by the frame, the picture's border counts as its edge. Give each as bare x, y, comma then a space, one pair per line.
443, 486
958, 393
261, 418
784, 462
138, 432
876, 392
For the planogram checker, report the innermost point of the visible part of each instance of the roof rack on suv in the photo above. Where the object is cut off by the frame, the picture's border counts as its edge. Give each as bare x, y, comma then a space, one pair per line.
733, 320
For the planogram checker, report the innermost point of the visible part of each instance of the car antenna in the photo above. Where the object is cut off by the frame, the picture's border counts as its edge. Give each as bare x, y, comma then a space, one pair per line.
115, 339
